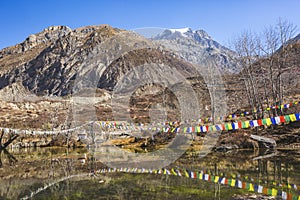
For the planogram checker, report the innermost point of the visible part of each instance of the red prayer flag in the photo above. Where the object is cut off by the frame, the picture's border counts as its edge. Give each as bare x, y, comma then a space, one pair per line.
240, 124
259, 122
226, 181
265, 190
282, 119
244, 185
223, 127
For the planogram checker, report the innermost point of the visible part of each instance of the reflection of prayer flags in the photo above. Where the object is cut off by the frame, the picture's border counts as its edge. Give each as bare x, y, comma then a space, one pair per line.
265, 190
167, 172
260, 189
240, 185
229, 182
244, 185
223, 180
187, 174
200, 176
274, 192
206, 177
255, 188
193, 175
284, 195
247, 186
269, 191
233, 182
216, 179
178, 173
173, 172
251, 188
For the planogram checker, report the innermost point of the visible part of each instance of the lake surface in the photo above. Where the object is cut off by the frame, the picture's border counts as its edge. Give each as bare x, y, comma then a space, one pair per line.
60, 173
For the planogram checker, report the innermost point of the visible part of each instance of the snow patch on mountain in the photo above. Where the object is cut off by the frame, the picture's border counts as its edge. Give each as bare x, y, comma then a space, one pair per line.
197, 46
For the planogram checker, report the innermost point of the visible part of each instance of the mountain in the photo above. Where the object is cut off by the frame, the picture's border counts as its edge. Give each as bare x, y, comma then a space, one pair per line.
50, 62
60, 62
197, 47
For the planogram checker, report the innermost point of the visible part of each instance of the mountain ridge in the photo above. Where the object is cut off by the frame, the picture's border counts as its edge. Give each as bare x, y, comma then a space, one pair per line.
197, 47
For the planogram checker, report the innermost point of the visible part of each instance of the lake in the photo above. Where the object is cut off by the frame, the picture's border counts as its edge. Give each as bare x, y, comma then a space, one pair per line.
61, 173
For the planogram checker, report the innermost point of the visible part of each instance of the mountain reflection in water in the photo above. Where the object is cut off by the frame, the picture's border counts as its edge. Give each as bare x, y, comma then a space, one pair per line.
67, 174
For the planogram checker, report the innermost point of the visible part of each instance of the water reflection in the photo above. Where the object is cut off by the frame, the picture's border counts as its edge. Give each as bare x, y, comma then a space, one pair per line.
24, 171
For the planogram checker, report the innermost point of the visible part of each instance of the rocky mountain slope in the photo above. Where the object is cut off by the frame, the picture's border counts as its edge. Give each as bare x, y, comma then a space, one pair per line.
60, 61
197, 47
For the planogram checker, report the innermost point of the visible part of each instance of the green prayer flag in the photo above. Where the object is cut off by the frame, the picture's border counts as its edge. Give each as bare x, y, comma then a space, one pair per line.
264, 122
287, 118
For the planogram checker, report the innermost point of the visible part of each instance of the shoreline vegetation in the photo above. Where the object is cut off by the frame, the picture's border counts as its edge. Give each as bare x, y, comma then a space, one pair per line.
286, 136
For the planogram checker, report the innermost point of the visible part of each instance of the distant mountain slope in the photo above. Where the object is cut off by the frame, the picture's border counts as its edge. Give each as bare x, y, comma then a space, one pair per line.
197, 47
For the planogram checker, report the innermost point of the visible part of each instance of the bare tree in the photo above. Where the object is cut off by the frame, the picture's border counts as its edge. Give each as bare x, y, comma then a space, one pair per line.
246, 47
265, 61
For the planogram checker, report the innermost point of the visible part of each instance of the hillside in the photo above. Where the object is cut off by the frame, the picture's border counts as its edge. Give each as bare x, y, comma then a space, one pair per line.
101, 61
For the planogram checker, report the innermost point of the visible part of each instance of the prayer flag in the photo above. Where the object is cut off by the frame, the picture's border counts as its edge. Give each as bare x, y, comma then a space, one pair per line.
292, 117
277, 120
269, 122
287, 118
273, 120
255, 123
282, 120
260, 189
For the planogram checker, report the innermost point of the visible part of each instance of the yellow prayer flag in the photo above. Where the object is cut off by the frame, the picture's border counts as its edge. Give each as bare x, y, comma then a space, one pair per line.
229, 126
213, 128
247, 124
216, 179
274, 192
187, 174
269, 122
173, 172
201, 176
251, 188
292, 117
232, 182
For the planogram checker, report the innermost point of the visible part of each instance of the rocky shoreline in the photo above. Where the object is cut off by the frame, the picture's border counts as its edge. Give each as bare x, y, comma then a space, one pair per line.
287, 136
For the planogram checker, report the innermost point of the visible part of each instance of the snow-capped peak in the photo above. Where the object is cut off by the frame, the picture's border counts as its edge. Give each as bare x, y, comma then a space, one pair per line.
181, 30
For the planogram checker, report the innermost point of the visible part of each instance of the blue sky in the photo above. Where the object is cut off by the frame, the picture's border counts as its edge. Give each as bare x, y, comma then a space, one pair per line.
221, 19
